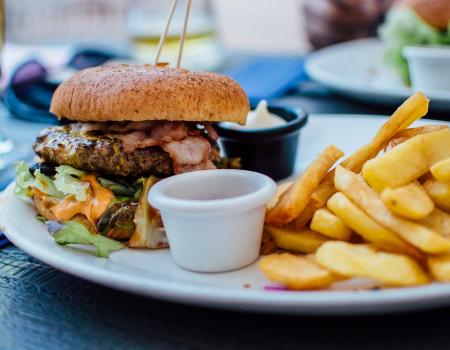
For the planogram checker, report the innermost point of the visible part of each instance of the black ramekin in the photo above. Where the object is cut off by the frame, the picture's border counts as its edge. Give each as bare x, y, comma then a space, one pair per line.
271, 151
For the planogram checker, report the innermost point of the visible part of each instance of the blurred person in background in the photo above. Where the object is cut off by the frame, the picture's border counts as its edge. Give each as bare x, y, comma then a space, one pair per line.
329, 22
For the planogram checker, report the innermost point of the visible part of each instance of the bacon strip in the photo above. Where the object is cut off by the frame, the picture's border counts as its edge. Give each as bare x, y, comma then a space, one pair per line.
136, 140
190, 151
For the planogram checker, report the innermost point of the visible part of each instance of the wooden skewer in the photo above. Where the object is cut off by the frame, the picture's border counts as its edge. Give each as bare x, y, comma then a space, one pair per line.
183, 34
162, 39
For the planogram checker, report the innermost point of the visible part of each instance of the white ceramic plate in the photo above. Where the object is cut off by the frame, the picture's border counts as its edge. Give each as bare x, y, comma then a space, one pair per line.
153, 273
356, 69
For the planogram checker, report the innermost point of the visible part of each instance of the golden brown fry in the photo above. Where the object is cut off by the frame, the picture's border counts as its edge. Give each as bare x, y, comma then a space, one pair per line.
406, 134
295, 199
369, 229
280, 190
305, 241
415, 107
439, 193
438, 221
410, 201
360, 260
408, 161
295, 272
305, 216
328, 224
441, 170
440, 267
356, 189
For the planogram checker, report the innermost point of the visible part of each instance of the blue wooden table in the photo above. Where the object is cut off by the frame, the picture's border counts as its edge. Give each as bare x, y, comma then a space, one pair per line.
42, 308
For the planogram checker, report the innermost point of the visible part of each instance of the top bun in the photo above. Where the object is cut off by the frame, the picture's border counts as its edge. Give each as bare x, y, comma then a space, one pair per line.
123, 92
435, 12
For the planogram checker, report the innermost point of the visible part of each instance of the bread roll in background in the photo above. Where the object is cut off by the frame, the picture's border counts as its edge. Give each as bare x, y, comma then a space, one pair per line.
435, 12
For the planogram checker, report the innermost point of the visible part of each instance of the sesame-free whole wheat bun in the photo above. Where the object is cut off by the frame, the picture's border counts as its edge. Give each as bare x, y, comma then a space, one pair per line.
435, 12
123, 92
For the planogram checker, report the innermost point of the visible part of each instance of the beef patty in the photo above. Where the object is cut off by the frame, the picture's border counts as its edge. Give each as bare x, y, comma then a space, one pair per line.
100, 153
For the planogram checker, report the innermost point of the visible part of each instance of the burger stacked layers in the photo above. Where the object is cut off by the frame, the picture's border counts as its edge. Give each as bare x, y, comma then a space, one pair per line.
132, 124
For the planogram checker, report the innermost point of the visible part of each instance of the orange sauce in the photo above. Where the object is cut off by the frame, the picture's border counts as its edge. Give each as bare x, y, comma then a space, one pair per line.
93, 208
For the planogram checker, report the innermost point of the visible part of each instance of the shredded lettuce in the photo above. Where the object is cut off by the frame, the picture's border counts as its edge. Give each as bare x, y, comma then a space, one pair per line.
404, 28
69, 170
68, 184
72, 232
46, 185
24, 180
64, 183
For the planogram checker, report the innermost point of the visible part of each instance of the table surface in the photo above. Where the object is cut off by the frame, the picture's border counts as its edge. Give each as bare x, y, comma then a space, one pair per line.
41, 307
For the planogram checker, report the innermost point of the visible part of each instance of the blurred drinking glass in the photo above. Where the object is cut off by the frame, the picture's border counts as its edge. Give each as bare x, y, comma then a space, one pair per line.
145, 23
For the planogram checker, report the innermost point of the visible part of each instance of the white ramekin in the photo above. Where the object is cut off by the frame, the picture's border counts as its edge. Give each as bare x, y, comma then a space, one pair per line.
429, 67
214, 218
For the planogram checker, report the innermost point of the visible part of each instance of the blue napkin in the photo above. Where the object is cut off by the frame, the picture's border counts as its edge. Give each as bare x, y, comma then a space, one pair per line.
269, 77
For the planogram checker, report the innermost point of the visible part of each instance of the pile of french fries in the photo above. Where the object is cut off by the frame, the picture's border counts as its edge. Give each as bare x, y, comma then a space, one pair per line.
382, 214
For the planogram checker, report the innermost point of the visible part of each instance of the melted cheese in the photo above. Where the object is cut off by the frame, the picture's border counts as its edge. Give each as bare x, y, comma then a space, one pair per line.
93, 208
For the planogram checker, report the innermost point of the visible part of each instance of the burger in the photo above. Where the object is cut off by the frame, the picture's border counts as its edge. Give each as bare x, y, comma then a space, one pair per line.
414, 22
124, 127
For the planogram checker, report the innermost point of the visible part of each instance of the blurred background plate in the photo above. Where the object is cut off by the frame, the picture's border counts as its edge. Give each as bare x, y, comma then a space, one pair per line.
356, 69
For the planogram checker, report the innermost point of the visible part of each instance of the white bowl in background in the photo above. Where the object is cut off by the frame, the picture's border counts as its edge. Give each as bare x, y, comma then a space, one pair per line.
213, 219
429, 67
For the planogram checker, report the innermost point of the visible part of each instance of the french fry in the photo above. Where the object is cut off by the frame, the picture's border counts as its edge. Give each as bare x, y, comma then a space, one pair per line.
410, 201
330, 225
440, 267
438, 221
406, 134
305, 216
356, 189
295, 272
408, 161
294, 200
369, 229
439, 193
441, 170
360, 260
415, 107
305, 241
280, 190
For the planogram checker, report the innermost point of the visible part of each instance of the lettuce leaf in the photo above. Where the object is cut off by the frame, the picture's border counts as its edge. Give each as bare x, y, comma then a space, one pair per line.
69, 170
68, 184
24, 180
404, 28
65, 182
72, 232
46, 185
